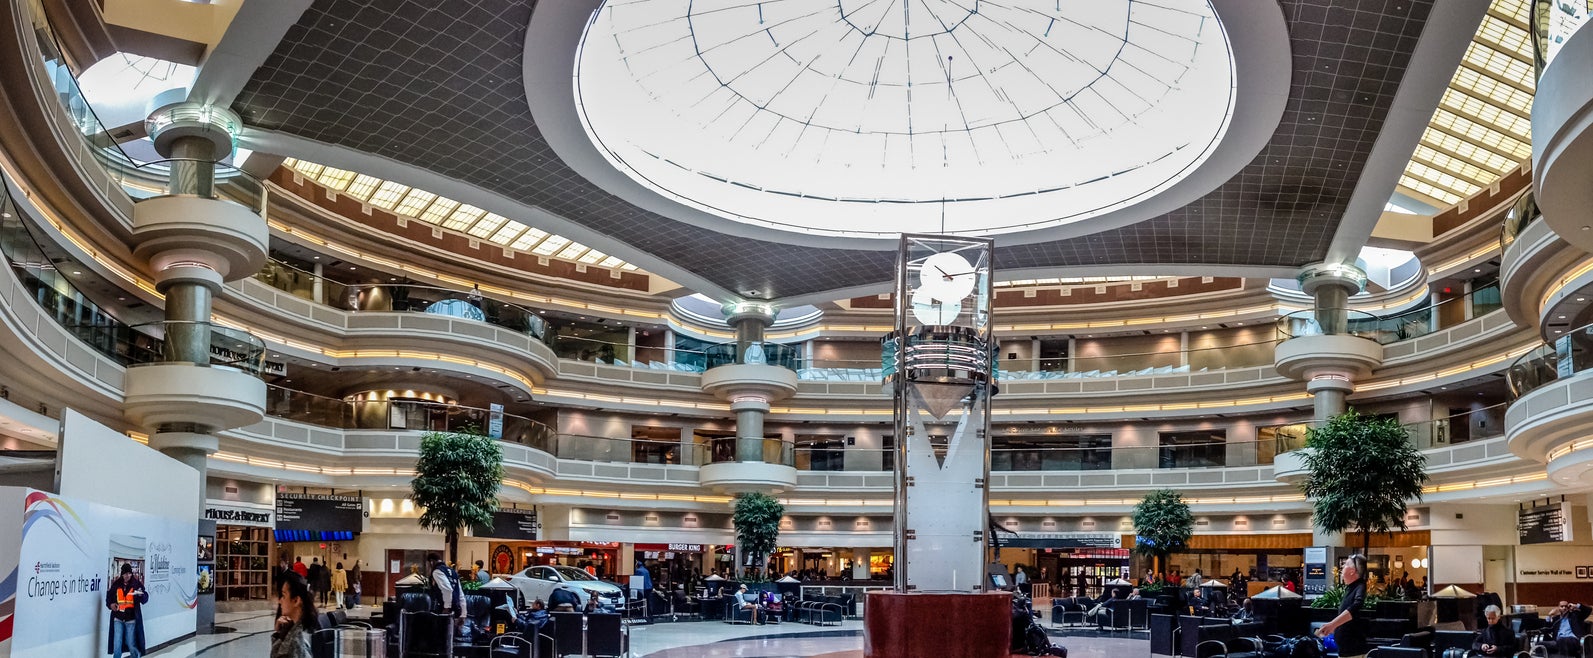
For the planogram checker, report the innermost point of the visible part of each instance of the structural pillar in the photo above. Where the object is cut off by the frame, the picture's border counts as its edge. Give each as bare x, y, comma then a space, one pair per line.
193, 240
750, 320
1331, 285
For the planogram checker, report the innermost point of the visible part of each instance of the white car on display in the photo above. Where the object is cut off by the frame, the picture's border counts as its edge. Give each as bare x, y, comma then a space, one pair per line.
538, 582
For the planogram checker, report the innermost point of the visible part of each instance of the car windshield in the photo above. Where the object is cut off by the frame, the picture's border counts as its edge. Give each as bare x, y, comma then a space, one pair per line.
572, 573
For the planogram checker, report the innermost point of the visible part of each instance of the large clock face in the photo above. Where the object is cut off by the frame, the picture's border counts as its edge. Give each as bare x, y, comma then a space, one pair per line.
944, 280
929, 310
948, 276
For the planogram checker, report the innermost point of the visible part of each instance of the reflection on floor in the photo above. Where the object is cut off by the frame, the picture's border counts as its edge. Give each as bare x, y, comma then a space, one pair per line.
250, 636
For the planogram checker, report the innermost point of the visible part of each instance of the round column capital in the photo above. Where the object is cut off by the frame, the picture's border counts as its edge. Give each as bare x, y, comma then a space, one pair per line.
194, 441
171, 117
761, 312
1331, 381
1342, 275
187, 272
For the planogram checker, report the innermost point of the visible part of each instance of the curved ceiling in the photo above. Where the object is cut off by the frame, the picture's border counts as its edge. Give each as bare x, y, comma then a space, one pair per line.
869, 118
433, 97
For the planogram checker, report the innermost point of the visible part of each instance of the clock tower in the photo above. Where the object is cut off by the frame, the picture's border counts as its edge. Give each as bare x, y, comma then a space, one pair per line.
940, 366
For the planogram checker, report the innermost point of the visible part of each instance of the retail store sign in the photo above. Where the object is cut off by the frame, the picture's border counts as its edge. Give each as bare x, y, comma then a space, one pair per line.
238, 516
1064, 540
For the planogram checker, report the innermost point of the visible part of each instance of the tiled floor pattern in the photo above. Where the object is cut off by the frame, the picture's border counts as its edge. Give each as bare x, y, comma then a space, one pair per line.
249, 637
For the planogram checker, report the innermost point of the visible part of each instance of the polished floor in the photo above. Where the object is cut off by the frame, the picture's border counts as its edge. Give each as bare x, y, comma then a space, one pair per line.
248, 635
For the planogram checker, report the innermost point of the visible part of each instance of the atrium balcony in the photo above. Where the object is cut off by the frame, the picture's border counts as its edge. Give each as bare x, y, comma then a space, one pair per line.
191, 375
1329, 341
1562, 140
729, 469
1551, 416
225, 231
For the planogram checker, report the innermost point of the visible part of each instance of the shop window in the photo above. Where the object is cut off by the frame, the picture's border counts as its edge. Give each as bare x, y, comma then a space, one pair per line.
820, 452
655, 445
1082, 452
1193, 449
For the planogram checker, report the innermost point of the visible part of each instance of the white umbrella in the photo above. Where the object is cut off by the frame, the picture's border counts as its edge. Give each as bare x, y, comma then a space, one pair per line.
1214, 583
788, 579
497, 583
1118, 581
411, 580
1453, 592
714, 578
1276, 592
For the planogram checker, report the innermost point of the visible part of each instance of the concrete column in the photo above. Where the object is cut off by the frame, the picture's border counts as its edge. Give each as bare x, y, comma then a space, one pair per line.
192, 168
749, 429
189, 288
860, 563
318, 286
1328, 395
749, 319
1331, 285
192, 449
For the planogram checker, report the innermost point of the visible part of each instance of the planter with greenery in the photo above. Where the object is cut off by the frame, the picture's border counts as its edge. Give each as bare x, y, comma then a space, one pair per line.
456, 482
1162, 525
1362, 473
757, 520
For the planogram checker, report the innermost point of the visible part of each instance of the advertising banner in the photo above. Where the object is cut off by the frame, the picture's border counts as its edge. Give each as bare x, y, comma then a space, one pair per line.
1317, 575
66, 553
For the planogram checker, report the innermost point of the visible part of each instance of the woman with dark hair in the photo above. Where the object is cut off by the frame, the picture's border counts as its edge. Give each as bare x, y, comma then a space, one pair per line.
296, 607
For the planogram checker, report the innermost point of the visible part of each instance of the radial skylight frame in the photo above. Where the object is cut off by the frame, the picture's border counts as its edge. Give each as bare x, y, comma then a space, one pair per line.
884, 178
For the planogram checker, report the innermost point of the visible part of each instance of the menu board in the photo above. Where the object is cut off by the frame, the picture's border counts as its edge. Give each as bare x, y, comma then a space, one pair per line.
510, 524
1543, 525
320, 512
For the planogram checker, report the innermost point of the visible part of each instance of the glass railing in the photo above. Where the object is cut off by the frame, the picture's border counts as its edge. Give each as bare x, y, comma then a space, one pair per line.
763, 353
129, 345
139, 179
1392, 328
1517, 219
402, 297
187, 341
1477, 424
415, 415
1566, 356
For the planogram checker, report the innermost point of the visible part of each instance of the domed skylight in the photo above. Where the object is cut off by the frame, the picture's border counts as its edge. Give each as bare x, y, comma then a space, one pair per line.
872, 117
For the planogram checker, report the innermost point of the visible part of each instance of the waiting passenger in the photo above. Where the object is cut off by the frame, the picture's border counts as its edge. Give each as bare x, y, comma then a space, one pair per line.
1495, 639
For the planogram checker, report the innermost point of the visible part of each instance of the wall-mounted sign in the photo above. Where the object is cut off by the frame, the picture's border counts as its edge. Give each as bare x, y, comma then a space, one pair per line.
1542, 525
319, 512
510, 524
671, 548
1063, 540
228, 515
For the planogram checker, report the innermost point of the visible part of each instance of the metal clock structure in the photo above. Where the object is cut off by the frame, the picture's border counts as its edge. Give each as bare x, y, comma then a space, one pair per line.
940, 364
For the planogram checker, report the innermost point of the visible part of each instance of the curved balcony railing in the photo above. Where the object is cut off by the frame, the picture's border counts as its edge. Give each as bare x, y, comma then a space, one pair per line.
402, 296
1392, 328
224, 346
1472, 425
186, 177
1517, 219
1566, 356
139, 179
405, 414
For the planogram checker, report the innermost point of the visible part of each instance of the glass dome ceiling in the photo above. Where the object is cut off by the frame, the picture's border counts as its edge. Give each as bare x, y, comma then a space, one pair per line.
872, 117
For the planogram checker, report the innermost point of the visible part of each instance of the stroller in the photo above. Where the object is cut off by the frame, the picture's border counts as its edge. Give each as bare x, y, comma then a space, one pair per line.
1028, 637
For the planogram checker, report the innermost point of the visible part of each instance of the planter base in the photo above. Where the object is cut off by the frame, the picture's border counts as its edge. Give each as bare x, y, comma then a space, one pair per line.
953, 625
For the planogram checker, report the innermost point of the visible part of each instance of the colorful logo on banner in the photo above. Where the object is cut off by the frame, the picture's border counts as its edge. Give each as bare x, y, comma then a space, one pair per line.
184, 599
8, 604
41, 507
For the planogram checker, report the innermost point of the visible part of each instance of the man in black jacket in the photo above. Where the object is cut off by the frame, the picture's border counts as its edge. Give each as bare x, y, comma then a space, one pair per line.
1566, 627
1349, 627
1495, 639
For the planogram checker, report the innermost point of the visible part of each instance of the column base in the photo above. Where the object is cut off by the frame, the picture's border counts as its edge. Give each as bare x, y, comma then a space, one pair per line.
951, 625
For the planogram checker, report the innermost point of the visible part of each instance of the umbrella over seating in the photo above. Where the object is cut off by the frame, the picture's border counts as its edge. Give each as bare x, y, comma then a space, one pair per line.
1276, 592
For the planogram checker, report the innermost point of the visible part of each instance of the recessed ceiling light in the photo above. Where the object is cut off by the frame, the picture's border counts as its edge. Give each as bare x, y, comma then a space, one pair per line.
1477, 270
1562, 317
76, 273
317, 258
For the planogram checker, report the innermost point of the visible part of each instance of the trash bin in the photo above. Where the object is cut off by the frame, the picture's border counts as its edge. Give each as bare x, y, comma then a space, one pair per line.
358, 642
